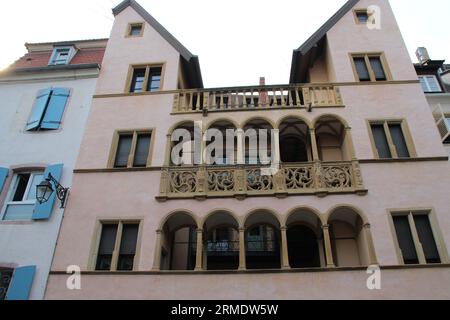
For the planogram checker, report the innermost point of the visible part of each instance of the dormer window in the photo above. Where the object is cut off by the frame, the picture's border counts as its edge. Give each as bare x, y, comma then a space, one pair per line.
61, 56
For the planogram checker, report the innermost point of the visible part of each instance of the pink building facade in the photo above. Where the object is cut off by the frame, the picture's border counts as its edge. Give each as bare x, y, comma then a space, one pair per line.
362, 182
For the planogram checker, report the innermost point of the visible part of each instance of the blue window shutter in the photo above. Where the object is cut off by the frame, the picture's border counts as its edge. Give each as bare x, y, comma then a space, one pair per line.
38, 109
21, 282
43, 211
55, 109
3, 175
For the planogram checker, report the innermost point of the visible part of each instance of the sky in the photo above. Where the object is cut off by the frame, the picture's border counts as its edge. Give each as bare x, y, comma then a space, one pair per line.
237, 41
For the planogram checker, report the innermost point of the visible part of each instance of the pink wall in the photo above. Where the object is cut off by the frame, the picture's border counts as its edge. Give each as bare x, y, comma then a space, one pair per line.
132, 194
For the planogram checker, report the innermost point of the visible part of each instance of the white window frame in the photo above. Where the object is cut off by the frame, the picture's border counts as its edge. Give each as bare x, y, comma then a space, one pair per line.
57, 51
424, 80
12, 190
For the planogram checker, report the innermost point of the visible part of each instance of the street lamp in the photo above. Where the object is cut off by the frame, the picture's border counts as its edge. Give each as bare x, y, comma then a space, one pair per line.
45, 189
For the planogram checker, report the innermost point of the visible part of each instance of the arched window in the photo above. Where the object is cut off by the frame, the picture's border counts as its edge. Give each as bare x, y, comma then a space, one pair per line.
305, 240
229, 144
262, 241
179, 243
348, 241
222, 242
258, 149
330, 135
295, 139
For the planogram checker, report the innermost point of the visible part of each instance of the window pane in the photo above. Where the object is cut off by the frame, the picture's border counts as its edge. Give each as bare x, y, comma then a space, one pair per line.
5, 279
405, 240
426, 238
123, 151
399, 140
128, 247
381, 143
137, 82
361, 69
423, 83
154, 82
142, 149
377, 68
106, 247
21, 186
362, 16
37, 178
433, 85
136, 30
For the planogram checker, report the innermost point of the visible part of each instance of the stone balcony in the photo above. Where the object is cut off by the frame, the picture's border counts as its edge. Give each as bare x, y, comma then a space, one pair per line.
257, 98
241, 181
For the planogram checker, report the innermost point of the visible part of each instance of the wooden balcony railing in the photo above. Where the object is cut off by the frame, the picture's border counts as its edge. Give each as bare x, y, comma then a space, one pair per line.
240, 181
256, 98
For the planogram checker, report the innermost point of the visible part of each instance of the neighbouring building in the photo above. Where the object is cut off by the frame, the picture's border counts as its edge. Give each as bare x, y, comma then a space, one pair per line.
45, 100
363, 177
434, 77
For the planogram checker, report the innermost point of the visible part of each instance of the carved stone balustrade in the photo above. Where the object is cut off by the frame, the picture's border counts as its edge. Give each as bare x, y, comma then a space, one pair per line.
257, 98
240, 181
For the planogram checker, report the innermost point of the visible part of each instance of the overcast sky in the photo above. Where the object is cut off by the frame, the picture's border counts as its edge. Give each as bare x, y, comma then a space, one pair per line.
237, 40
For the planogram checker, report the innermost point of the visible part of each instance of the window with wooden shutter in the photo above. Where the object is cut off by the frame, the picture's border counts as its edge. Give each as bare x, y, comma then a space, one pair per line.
21, 283
21, 199
48, 109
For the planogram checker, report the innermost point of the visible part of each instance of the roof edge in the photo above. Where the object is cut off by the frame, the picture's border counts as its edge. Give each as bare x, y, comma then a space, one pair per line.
177, 45
314, 39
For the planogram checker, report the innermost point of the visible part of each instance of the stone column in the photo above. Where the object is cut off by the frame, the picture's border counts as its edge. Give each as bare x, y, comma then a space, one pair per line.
327, 242
370, 246
157, 258
199, 251
349, 144
168, 150
276, 159
242, 262
240, 146
315, 150
284, 249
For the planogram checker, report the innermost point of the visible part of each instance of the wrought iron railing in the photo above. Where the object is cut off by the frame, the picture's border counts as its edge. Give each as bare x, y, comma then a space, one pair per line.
256, 98
224, 247
318, 178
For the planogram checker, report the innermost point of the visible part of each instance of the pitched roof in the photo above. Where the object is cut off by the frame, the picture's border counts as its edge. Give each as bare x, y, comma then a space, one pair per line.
41, 58
190, 61
308, 51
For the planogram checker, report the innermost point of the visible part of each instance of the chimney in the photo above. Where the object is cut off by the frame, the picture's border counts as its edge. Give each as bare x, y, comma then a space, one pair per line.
422, 55
262, 93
